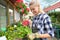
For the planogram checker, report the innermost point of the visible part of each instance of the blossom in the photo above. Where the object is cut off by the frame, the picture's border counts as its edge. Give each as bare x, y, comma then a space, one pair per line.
21, 6
22, 10
25, 23
28, 9
19, 1
15, 26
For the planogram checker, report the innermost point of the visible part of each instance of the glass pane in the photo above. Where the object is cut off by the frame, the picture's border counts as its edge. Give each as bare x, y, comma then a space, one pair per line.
2, 16
17, 16
11, 15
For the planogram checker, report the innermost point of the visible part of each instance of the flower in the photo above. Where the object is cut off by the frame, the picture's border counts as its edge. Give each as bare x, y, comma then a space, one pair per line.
28, 9
19, 1
25, 23
22, 11
15, 26
21, 6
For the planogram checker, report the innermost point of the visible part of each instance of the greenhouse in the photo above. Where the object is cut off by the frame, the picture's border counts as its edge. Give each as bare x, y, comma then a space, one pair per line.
19, 20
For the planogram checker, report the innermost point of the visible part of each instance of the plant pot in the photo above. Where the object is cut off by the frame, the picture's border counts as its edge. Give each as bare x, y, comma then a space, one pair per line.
3, 38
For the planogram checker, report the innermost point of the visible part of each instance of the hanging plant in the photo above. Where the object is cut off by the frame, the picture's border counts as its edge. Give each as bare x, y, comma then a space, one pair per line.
21, 6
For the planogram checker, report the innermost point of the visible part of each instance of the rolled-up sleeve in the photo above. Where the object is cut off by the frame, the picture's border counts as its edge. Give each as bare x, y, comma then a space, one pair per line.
48, 26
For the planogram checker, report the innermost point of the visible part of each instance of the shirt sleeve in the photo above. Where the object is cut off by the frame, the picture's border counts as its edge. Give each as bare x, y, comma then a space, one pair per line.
48, 26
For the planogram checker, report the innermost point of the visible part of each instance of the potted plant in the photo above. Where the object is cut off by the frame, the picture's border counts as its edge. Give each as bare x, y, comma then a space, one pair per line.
18, 31
2, 31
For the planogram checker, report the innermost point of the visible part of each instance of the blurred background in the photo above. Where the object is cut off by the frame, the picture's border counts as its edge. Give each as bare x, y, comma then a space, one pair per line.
10, 15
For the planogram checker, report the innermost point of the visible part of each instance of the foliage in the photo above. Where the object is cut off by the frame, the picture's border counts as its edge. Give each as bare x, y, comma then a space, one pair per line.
55, 17
16, 31
56, 26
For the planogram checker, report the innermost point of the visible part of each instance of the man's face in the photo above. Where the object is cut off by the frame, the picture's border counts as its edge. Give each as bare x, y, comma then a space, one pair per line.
34, 10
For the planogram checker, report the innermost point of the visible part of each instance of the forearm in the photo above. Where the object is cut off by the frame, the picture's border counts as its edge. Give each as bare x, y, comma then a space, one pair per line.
43, 35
